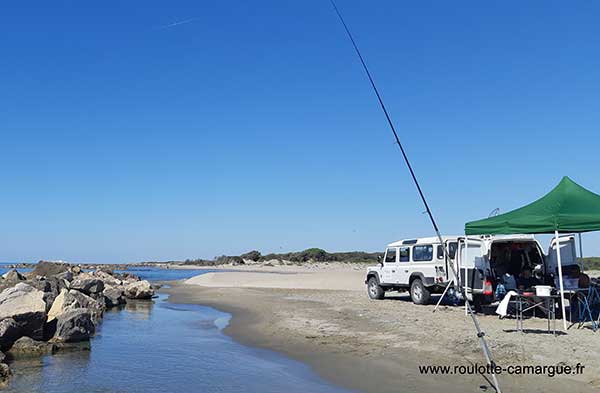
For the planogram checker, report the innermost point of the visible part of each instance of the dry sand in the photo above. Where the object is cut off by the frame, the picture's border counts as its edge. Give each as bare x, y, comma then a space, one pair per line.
377, 346
340, 281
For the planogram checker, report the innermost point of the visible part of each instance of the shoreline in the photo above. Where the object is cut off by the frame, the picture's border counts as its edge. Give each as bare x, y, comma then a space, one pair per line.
247, 327
338, 338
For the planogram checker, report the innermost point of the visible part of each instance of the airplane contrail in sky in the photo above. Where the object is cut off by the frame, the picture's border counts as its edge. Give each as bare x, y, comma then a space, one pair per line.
181, 22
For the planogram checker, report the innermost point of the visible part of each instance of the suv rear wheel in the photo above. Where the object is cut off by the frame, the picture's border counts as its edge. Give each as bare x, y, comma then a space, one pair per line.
375, 290
418, 292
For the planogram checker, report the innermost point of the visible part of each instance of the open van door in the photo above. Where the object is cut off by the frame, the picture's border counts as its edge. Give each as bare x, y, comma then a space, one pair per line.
568, 253
471, 263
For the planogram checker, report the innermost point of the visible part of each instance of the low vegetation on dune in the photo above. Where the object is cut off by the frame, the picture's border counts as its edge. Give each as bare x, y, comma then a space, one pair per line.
305, 256
591, 263
318, 255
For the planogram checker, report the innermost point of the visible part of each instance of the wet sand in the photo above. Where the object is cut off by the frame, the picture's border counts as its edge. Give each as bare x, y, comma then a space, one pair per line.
377, 346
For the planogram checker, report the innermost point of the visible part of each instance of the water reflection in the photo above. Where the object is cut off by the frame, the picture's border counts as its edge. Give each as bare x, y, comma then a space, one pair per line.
155, 346
140, 308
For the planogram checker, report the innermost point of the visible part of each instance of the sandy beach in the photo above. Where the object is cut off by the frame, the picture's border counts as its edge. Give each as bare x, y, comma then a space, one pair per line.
377, 346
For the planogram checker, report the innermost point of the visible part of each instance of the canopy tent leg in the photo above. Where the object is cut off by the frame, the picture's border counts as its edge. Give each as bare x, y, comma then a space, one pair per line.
580, 251
560, 280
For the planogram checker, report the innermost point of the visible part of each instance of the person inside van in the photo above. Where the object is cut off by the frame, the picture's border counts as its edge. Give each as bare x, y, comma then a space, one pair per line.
526, 280
584, 280
517, 259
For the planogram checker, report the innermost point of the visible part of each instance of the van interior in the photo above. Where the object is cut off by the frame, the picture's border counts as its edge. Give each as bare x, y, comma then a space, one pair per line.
514, 258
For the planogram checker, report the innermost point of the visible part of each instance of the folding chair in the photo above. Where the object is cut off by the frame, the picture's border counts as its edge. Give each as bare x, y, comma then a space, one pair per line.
586, 298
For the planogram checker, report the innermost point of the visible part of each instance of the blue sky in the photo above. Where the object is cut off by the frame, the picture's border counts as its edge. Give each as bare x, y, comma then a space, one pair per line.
252, 126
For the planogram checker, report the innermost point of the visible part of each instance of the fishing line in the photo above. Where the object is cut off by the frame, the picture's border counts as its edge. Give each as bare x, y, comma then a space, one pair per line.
387, 116
480, 333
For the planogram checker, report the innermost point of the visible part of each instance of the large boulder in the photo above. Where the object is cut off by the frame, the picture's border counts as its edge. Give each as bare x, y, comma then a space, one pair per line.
25, 304
10, 331
95, 307
113, 296
139, 290
65, 276
13, 276
74, 325
47, 269
127, 277
51, 287
63, 302
88, 284
72, 300
27, 347
107, 278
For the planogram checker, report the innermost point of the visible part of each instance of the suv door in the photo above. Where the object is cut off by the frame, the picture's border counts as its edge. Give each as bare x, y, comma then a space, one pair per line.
471, 262
451, 248
568, 253
390, 265
422, 262
403, 271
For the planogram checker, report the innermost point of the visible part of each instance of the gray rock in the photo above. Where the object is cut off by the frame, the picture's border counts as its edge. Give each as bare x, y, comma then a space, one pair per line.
5, 285
13, 276
65, 276
113, 296
47, 269
27, 347
73, 326
88, 285
51, 287
26, 306
95, 307
5, 374
72, 300
63, 302
10, 331
107, 278
139, 290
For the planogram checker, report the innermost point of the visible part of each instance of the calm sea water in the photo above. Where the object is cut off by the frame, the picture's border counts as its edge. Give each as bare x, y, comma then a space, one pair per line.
157, 346
146, 273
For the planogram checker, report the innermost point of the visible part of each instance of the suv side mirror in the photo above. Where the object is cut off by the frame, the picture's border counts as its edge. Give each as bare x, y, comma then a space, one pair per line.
380, 260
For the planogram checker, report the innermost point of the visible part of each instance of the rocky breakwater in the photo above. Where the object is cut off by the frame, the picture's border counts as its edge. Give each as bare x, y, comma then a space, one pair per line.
56, 307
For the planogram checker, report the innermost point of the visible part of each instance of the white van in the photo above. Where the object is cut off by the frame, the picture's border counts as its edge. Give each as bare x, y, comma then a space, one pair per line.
419, 266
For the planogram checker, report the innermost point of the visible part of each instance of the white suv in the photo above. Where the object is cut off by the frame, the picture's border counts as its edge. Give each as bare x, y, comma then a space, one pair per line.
417, 265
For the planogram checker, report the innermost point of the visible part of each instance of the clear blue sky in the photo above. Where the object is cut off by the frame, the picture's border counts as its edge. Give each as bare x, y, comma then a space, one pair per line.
127, 136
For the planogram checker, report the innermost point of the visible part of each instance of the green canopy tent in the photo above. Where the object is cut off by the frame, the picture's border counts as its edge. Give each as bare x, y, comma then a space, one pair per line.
567, 208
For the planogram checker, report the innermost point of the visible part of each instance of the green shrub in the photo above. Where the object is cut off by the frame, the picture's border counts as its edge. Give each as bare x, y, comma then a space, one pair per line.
252, 255
591, 263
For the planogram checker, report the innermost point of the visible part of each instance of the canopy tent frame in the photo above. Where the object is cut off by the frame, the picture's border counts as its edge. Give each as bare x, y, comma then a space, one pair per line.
560, 280
568, 208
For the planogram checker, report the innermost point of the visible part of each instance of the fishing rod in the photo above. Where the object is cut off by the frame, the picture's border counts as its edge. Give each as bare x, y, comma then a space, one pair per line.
480, 334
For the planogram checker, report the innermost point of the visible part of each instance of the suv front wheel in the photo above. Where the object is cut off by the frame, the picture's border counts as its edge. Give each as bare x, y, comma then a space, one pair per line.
418, 292
375, 290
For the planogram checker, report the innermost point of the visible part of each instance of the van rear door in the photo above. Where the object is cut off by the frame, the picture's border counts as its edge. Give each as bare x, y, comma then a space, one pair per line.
471, 262
568, 253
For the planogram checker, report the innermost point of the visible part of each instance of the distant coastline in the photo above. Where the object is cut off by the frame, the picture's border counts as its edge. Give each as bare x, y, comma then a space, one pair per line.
254, 257
299, 258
